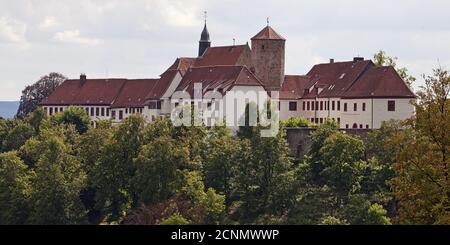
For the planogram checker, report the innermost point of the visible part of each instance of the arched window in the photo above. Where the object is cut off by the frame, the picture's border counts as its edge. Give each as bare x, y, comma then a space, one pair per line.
355, 125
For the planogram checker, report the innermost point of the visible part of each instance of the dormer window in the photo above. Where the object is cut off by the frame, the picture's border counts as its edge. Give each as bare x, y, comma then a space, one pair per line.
342, 76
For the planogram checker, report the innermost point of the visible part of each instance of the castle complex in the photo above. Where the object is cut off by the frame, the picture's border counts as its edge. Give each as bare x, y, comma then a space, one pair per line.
355, 93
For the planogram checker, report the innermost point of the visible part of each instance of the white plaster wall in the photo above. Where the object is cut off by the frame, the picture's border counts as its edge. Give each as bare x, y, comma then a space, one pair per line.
403, 110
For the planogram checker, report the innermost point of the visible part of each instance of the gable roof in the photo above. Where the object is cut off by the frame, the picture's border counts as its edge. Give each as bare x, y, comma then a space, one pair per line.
293, 86
217, 78
355, 79
89, 92
182, 64
134, 92
380, 82
268, 34
333, 79
225, 55
162, 85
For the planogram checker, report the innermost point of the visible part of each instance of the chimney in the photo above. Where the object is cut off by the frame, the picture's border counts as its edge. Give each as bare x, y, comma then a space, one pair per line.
83, 78
356, 59
331, 61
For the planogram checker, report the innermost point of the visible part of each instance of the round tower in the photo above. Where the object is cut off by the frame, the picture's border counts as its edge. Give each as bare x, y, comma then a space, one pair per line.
268, 57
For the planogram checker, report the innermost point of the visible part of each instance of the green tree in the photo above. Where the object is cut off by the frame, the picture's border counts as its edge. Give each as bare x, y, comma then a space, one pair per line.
296, 122
382, 59
15, 189
114, 169
156, 170
222, 156
76, 116
56, 186
17, 136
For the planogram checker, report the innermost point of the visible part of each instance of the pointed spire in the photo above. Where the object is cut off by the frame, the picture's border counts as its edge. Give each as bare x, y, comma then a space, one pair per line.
205, 42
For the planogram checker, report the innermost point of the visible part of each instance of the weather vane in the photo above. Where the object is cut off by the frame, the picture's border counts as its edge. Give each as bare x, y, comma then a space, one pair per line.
267, 21
206, 15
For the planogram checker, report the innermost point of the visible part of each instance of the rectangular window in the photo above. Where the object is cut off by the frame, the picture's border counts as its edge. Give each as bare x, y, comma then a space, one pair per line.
304, 105
312, 105
333, 105
321, 105
345, 106
107, 112
317, 105
97, 111
316, 120
312, 120
328, 106
51, 111
307, 106
339, 121
61, 109
158, 105
364, 107
87, 110
126, 110
338, 105
321, 120
355, 107
292, 105
346, 125
367, 126
92, 111
120, 115
391, 105
360, 126
56, 109
103, 111
113, 115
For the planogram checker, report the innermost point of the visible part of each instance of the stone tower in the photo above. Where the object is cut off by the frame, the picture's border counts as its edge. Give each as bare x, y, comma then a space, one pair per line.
205, 43
268, 54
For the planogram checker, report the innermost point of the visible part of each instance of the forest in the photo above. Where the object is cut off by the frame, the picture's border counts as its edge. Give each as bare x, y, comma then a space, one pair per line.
60, 170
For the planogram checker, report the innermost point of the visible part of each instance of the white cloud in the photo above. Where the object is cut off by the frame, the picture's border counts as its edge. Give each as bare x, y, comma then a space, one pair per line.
49, 22
74, 37
13, 31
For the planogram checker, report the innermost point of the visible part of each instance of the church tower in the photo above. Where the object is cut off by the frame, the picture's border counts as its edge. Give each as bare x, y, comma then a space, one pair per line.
268, 57
204, 43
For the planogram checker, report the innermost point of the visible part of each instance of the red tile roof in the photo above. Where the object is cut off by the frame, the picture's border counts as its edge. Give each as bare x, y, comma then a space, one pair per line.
334, 78
218, 78
355, 79
268, 34
379, 82
162, 85
134, 92
226, 55
182, 64
91, 92
293, 87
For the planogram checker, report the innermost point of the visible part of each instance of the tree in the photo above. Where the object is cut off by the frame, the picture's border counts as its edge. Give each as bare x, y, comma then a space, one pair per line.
76, 116
381, 59
114, 169
17, 136
156, 170
56, 187
15, 190
222, 156
421, 184
264, 175
34, 94
296, 122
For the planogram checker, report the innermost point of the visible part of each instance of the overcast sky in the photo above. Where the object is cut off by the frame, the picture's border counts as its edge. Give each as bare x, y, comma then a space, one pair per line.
141, 38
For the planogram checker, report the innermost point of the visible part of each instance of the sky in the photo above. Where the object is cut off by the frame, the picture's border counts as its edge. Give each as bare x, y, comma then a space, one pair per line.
142, 38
